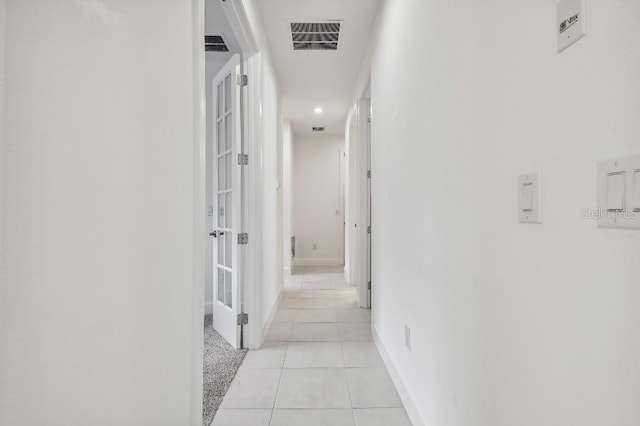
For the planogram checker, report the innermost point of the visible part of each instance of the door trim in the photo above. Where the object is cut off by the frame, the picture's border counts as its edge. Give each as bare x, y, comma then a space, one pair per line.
199, 207
241, 26
362, 165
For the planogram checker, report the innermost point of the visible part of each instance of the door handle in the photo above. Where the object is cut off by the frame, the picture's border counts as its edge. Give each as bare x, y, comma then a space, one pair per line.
213, 234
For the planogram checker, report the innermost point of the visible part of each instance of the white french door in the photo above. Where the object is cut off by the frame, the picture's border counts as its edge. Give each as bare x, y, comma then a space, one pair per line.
226, 184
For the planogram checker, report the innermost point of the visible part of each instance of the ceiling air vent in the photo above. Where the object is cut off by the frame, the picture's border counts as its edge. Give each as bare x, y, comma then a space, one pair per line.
318, 129
215, 43
315, 35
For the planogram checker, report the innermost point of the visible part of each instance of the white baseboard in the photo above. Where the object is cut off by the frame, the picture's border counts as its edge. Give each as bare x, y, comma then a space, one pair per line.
317, 262
409, 406
286, 274
347, 275
272, 315
208, 308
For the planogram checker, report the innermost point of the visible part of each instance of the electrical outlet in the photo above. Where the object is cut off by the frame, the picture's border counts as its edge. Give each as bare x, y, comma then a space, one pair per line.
407, 336
315, 247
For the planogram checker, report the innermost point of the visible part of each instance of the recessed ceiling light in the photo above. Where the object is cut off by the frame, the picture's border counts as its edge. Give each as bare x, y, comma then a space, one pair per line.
318, 110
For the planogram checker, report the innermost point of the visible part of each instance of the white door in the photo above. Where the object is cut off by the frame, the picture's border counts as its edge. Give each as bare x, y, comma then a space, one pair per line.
342, 159
369, 279
226, 176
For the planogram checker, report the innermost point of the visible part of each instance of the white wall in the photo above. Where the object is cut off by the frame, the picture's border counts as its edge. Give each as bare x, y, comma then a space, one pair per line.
272, 279
287, 198
100, 178
2, 141
317, 189
512, 324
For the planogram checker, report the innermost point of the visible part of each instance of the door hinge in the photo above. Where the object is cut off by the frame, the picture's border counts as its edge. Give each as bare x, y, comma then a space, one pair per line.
243, 238
369, 229
369, 174
243, 80
369, 285
243, 159
243, 319
369, 119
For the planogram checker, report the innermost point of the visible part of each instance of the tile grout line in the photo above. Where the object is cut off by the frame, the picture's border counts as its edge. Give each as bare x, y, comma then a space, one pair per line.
275, 399
346, 377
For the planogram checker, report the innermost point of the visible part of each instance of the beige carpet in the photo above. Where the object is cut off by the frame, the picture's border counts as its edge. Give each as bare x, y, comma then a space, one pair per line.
221, 363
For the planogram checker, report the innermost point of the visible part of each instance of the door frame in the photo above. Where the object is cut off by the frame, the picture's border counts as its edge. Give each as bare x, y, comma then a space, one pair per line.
239, 20
363, 203
250, 260
344, 170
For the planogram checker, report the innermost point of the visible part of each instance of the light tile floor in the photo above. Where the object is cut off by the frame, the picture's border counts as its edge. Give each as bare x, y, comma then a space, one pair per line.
318, 366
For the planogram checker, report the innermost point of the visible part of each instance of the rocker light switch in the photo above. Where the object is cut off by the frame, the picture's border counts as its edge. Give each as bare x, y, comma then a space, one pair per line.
529, 198
616, 191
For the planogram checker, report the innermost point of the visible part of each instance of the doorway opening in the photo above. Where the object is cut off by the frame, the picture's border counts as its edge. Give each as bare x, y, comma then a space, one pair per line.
226, 125
361, 218
318, 208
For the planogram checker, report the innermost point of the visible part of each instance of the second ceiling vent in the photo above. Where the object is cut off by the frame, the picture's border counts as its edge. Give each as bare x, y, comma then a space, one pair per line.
316, 35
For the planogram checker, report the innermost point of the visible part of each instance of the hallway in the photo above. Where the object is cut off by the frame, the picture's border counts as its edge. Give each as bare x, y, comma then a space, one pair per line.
472, 170
318, 366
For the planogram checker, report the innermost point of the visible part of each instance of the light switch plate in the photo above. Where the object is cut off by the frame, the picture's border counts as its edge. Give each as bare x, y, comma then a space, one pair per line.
570, 19
619, 193
529, 206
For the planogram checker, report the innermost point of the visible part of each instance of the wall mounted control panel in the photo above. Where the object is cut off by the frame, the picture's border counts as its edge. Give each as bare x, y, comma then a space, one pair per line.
619, 193
570, 22
529, 206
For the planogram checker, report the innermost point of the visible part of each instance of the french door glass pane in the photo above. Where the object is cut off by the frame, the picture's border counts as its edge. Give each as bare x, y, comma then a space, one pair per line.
220, 295
221, 211
228, 255
220, 109
222, 144
227, 290
229, 129
227, 88
229, 170
221, 174
221, 248
229, 216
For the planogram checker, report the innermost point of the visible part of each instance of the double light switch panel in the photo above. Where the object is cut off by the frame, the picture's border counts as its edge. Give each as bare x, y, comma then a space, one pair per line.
619, 193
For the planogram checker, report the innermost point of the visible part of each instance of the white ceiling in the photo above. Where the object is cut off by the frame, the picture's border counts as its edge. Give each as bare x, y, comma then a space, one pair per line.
216, 23
318, 78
